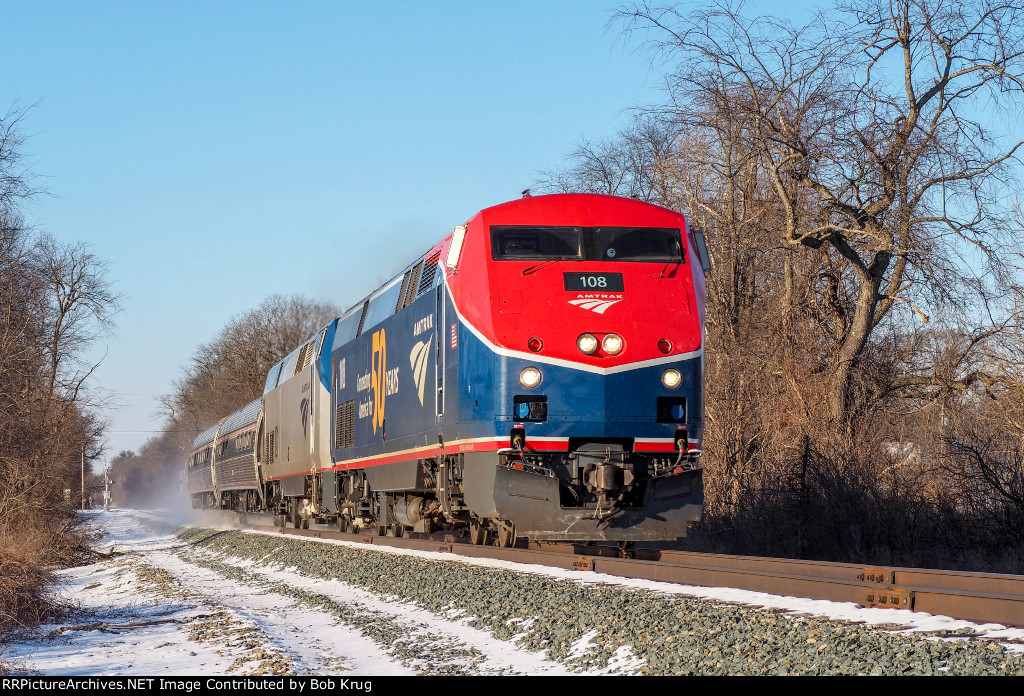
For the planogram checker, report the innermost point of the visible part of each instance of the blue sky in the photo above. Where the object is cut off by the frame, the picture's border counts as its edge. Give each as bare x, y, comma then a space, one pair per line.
215, 153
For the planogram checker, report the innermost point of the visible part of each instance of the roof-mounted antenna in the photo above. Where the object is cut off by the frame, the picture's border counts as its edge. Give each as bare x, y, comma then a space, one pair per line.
526, 193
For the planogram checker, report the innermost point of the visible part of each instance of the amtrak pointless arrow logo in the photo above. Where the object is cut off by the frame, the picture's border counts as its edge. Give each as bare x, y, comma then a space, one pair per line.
597, 304
418, 359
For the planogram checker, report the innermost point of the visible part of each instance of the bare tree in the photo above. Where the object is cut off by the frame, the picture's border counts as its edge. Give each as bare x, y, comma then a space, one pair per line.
862, 314
54, 299
639, 162
79, 308
866, 124
230, 370
16, 181
222, 376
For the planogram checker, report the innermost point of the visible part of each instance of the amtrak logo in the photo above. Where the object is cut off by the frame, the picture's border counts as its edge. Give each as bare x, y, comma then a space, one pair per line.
418, 359
304, 415
598, 304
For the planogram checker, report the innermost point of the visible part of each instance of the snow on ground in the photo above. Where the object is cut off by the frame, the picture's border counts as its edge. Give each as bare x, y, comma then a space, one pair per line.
839, 611
151, 610
155, 608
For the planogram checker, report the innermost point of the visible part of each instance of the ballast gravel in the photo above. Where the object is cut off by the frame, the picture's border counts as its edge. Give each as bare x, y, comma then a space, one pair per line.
590, 627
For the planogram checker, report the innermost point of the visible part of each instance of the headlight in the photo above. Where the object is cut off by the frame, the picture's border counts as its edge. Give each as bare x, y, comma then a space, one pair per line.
671, 378
612, 344
529, 377
587, 343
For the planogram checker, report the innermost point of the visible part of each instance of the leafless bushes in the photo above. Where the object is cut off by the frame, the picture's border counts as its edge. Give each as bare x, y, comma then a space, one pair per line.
21, 604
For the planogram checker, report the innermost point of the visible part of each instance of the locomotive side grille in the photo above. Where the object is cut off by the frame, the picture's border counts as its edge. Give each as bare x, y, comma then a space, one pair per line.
344, 424
339, 418
414, 281
270, 448
305, 356
310, 349
427, 276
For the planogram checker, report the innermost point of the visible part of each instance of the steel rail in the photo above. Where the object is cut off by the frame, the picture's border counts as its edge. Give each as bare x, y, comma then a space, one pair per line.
977, 597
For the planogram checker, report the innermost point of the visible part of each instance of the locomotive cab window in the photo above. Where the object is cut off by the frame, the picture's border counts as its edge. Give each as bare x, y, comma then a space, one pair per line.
530, 243
644, 244
635, 244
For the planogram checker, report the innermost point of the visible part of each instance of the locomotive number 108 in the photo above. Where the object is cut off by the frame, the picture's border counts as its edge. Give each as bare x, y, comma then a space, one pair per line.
528, 393
594, 281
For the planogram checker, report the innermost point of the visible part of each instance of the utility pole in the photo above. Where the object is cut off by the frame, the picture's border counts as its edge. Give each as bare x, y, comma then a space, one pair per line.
106, 486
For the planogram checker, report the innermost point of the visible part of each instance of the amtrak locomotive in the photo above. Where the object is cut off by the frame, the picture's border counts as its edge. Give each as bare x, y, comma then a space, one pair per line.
537, 374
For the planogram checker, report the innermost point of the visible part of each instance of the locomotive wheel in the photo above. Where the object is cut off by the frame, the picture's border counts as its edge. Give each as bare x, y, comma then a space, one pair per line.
344, 525
477, 532
396, 530
506, 534
296, 520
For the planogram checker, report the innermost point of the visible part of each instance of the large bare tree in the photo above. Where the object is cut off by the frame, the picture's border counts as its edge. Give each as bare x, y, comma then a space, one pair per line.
877, 126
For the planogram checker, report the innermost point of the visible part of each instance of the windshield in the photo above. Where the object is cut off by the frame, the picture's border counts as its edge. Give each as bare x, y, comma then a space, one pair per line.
530, 243
635, 244
521, 243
